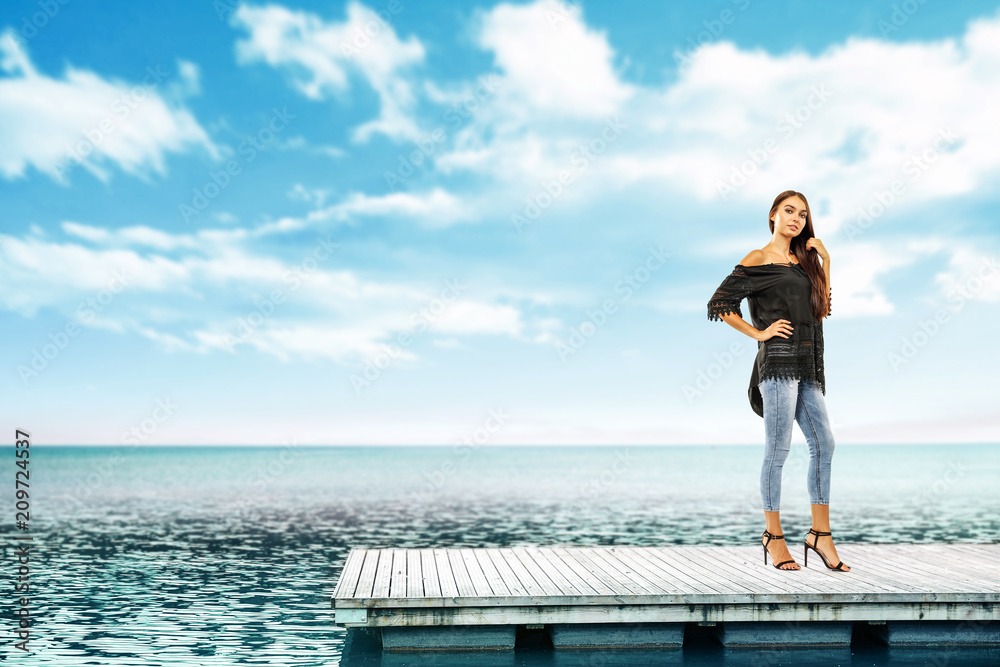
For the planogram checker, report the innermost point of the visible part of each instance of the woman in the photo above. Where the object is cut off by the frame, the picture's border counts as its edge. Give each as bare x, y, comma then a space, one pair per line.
789, 295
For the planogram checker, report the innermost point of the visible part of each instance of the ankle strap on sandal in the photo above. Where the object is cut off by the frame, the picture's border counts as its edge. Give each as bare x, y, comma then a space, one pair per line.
818, 532
773, 536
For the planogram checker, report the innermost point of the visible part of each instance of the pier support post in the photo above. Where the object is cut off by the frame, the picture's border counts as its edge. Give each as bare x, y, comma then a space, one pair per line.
921, 633
434, 637
616, 635
776, 633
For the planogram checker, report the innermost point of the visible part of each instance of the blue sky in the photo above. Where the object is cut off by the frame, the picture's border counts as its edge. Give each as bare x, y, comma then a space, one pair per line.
395, 222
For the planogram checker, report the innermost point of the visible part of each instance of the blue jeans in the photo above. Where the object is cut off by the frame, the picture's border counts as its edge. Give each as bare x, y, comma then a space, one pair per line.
785, 401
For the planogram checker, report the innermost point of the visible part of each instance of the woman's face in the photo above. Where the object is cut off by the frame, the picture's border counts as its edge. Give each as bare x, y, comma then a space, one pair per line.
790, 218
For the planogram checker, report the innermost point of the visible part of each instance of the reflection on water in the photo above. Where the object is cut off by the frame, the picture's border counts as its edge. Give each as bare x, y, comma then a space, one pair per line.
224, 556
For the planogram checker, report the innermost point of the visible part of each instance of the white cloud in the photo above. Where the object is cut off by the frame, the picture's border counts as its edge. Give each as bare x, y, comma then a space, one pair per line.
140, 235
41, 273
328, 52
857, 276
841, 126
82, 120
971, 275
196, 299
860, 275
435, 208
552, 61
315, 196
437, 205
467, 317
856, 130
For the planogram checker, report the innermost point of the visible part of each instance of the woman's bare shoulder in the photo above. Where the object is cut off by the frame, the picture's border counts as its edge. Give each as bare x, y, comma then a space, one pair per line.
754, 258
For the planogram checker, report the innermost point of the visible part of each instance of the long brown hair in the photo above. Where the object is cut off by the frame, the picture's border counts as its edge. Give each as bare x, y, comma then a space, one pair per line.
819, 299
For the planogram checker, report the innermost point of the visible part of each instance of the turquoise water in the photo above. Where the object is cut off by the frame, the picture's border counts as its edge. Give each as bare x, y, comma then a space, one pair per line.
229, 555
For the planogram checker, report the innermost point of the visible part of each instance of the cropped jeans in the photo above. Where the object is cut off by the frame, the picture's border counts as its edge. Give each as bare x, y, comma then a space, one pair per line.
787, 400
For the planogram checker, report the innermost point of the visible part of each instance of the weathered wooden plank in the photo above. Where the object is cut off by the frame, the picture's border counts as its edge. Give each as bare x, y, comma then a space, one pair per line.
672, 569
806, 581
989, 552
366, 580
449, 588
933, 574
868, 574
462, 578
609, 574
523, 575
697, 569
664, 559
383, 574
929, 576
621, 572
561, 577
414, 575
965, 554
664, 578
528, 563
428, 570
514, 586
350, 573
752, 577
865, 572
583, 574
881, 563
957, 560
980, 553
479, 582
596, 571
908, 576
397, 580
491, 573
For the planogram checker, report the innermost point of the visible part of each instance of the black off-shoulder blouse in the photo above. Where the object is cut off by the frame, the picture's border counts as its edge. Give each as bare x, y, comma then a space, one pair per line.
775, 291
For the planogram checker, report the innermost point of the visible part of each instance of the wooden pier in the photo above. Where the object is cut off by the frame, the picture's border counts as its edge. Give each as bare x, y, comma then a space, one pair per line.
607, 597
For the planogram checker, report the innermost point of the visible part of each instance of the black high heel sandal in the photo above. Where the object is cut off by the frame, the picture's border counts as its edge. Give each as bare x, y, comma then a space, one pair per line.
805, 552
770, 537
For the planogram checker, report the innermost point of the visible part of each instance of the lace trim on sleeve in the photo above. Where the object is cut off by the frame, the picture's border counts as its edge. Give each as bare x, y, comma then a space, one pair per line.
829, 311
730, 293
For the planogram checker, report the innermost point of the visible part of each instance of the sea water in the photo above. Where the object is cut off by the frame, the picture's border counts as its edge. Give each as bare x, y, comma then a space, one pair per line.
229, 555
